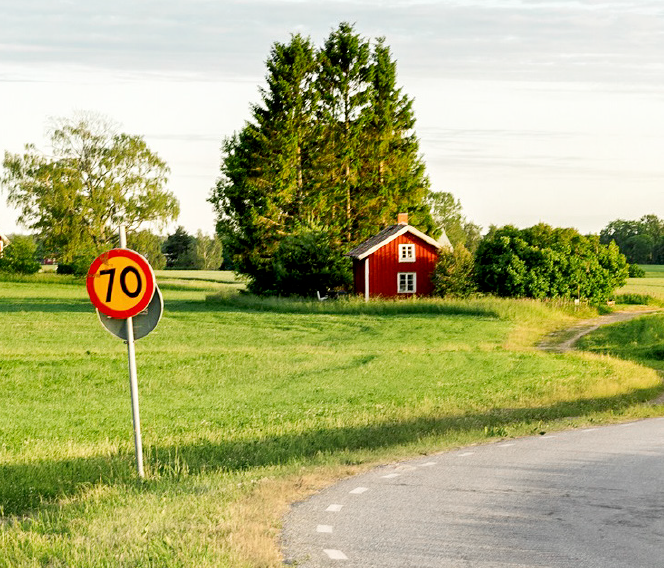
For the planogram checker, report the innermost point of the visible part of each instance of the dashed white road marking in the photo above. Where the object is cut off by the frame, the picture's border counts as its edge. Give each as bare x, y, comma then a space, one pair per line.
334, 508
589, 430
428, 464
506, 445
547, 437
464, 454
628, 425
335, 554
359, 490
324, 528
390, 475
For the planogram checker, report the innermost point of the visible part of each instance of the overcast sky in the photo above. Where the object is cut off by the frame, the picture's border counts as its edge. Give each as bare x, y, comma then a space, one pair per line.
527, 110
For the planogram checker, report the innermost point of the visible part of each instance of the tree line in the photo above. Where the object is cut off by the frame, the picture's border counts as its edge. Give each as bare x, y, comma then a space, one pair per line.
641, 241
179, 250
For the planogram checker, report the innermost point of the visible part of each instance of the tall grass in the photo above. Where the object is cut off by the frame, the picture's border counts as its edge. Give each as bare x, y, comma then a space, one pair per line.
486, 307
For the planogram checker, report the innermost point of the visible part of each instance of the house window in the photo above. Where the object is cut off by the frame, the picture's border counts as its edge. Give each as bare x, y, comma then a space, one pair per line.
407, 253
406, 282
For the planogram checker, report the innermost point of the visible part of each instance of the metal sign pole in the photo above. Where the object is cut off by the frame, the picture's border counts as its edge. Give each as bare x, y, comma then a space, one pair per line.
133, 381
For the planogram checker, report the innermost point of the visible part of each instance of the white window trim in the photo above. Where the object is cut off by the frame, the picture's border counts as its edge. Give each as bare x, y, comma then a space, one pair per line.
402, 255
414, 290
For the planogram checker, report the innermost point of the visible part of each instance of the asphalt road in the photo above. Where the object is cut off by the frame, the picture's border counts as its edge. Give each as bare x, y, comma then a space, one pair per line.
584, 498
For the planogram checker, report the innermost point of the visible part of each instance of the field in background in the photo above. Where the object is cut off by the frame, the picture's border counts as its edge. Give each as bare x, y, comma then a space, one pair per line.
652, 285
247, 404
640, 340
653, 270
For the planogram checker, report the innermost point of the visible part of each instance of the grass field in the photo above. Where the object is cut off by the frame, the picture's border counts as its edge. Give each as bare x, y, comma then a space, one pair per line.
247, 405
653, 270
640, 340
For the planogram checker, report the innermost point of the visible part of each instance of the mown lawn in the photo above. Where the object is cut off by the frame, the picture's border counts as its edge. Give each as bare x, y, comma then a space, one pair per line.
246, 405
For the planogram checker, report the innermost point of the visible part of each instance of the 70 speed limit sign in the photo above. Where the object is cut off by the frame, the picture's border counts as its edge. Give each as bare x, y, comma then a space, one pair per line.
120, 283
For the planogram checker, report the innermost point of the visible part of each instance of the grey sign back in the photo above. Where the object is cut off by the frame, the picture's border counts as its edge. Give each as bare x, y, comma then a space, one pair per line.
144, 322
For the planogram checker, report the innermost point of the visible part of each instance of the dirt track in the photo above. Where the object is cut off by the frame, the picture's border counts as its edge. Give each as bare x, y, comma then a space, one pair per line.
562, 341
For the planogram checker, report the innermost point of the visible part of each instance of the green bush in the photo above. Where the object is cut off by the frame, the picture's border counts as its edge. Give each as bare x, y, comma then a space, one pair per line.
19, 257
543, 262
453, 275
303, 264
79, 265
635, 271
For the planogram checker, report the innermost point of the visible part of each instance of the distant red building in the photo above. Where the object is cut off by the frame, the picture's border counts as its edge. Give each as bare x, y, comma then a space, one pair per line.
4, 241
397, 262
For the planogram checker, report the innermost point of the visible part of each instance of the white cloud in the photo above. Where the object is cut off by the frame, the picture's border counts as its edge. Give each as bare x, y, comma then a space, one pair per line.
561, 40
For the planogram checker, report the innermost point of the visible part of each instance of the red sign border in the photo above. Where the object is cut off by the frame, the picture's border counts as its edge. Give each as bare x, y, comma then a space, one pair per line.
145, 267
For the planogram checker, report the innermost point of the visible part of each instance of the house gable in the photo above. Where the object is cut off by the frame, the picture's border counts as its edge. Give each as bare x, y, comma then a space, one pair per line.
386, 236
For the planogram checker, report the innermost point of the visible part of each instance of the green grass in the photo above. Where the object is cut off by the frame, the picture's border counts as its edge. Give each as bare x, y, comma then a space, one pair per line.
640, 340
653, 270
651, 286
243, 398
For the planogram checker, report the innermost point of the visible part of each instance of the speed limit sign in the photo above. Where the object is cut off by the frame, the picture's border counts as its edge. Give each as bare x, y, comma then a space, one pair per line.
120, 283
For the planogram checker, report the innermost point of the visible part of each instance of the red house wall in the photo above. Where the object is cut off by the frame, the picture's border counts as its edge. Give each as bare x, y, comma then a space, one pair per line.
358, 276
384, 266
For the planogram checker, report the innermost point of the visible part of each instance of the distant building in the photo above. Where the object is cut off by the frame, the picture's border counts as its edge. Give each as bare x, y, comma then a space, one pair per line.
397, 262
4, 241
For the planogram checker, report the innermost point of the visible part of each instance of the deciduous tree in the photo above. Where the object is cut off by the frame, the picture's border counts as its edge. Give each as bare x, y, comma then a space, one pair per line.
94, 179
208, 251
641, 241
447, 215
149, 245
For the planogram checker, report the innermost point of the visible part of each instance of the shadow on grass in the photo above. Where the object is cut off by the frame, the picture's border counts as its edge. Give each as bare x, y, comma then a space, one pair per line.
26, 487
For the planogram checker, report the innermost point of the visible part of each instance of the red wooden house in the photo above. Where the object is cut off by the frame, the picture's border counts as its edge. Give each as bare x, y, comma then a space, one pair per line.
397, 262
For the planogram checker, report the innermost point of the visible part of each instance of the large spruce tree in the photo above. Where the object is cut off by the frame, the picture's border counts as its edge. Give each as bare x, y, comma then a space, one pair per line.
330, 148
344, 82
393, 177
260, 197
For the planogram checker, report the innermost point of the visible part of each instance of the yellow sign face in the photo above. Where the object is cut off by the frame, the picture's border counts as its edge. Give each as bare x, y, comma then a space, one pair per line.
120, 283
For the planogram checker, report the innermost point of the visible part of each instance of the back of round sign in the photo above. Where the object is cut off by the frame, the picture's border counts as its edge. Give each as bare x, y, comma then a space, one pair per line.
144, 322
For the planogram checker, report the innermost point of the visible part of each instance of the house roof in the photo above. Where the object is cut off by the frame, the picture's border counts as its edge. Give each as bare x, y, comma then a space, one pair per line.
388, 234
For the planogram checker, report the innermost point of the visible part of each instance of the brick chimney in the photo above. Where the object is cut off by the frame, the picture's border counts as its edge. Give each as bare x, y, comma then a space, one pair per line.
402, 219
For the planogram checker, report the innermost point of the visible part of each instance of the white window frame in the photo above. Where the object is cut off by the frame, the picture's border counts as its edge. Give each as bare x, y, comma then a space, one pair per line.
406, 274
407, 252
